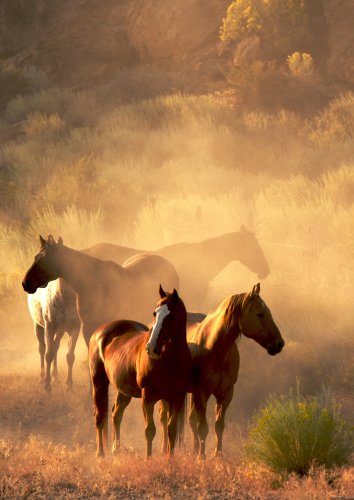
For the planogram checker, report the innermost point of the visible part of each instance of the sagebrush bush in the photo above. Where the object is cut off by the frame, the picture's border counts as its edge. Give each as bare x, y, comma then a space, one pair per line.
293, 434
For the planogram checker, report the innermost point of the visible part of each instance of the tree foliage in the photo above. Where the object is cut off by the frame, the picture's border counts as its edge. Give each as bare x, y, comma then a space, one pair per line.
282, 25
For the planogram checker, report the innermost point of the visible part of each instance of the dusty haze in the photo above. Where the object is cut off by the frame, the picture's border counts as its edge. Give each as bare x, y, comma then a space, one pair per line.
141, 154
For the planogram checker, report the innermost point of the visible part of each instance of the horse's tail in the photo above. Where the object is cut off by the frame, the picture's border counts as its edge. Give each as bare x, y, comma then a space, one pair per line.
181, 422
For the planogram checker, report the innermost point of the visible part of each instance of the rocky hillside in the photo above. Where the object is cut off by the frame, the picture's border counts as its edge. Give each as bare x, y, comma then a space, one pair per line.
154, 45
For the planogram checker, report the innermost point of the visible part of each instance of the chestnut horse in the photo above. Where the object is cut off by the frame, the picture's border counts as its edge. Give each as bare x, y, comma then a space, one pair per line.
216, 360
105, 290
198, 263
150, 364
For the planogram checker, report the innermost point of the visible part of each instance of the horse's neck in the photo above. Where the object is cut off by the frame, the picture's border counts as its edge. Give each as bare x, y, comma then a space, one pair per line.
218, 252
224, 327
81, 271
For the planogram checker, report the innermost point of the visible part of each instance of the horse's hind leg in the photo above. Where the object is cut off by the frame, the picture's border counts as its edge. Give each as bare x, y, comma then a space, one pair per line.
70, 356
100, 385
119, 406
39, 331
163, 421
173, 413
200, 403
222, 405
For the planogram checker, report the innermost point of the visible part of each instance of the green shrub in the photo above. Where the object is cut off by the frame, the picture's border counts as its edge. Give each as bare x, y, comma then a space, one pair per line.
293, 433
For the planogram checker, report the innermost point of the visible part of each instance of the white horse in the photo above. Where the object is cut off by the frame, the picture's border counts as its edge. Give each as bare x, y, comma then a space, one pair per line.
54, 312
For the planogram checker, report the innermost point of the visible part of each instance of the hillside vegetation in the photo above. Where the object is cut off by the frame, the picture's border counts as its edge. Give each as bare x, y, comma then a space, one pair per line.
158, 144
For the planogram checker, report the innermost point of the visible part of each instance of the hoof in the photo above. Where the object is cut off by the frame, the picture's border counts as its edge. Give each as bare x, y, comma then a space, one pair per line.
115, 449
47, 388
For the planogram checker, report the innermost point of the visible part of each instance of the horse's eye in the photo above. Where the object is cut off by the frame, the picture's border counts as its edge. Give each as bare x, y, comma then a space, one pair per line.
154, 314
260, 315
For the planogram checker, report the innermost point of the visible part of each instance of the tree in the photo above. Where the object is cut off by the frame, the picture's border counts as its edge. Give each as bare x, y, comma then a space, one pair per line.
282, 25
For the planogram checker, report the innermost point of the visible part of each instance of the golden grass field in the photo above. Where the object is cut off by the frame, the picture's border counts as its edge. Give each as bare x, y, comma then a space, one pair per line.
47, 451
148, 174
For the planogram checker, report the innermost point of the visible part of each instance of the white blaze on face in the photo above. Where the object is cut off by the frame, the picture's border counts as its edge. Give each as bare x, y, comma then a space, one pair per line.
160, 314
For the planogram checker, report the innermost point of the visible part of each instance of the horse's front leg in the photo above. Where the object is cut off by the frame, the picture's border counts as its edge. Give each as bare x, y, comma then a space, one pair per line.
163, 421
150, 428
39, 331
50, 354
119, 406
56, 344
200, 404
222, 404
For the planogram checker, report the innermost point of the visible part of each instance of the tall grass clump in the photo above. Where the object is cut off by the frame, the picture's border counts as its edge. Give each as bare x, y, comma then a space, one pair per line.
293, 434
17, 81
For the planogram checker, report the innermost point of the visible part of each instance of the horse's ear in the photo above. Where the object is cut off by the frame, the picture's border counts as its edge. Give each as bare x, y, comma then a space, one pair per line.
60, 241
51, 240
162, 292
42, 241
256, 289
175, 294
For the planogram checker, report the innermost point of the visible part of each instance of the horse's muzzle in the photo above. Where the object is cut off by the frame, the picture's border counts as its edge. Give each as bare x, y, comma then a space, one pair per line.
276, 349
152, 352
28, 287
263, 274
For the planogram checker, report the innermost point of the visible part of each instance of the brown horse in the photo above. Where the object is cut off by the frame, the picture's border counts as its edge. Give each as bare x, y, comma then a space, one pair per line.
150, 364
216, 360
105, 290
198, 263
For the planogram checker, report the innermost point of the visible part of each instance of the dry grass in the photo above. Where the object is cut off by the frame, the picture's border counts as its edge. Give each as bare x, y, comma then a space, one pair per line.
47, 451
153, 173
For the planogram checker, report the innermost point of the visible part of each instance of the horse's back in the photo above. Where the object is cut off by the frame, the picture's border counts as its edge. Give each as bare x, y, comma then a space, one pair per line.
109, 251
154, 269
194, 318
116, 346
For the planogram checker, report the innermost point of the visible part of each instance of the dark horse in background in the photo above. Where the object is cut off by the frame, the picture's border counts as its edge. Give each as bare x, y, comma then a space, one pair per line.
198, 263
150, 364
104, 290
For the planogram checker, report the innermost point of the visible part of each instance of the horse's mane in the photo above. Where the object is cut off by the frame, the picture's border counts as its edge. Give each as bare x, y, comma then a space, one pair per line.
233, 306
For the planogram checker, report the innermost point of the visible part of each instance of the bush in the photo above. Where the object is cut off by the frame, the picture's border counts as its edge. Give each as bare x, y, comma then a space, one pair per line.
293, 433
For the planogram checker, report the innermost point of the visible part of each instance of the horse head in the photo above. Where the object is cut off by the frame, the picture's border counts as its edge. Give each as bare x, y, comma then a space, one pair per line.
44, 267
252, 256
169, 324
256, 322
